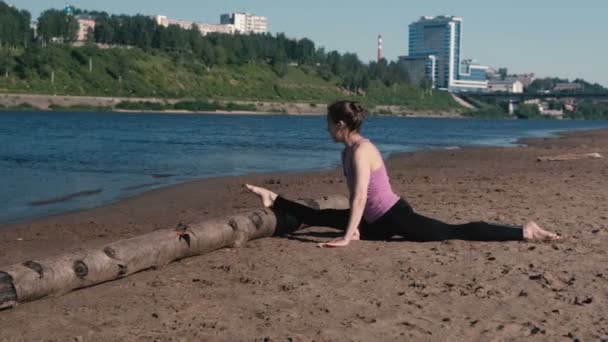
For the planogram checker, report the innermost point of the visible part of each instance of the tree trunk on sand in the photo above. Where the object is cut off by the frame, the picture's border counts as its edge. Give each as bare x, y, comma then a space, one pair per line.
58, 275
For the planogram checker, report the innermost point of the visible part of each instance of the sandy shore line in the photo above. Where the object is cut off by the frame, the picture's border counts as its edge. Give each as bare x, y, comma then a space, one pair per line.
46, 102
285, 288
218, 112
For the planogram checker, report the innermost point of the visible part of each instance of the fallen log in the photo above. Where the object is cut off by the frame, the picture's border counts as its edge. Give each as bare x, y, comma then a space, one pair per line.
570, 156
55, 276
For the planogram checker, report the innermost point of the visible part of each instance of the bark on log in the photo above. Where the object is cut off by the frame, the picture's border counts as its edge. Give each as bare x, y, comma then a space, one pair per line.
58, 275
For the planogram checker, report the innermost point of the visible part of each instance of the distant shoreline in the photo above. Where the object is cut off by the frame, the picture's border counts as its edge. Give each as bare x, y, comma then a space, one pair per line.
24, 102
218, 112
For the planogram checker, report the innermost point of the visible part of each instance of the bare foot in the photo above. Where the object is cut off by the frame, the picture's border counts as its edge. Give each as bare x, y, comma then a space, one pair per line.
532, 232
265, 195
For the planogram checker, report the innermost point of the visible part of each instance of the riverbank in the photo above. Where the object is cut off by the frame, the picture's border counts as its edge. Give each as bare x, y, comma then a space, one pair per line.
286, 287
93, 103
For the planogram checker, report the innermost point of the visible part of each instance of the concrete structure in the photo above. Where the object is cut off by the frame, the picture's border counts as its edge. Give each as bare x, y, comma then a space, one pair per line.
435, 42
470, 71
420, 69
506, 86
567, 87
215, 28
85, 23
34, 28
162, 20
245, 22
380, 48
525, 79
204, 28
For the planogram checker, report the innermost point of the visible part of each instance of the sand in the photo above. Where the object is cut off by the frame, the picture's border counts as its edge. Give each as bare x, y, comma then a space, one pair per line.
283, 289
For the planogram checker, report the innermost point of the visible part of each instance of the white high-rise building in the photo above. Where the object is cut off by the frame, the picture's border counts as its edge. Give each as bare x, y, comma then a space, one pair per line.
434, 53
245, 22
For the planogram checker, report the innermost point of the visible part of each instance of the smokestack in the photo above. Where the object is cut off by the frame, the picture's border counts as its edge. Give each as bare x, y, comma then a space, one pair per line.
379, 47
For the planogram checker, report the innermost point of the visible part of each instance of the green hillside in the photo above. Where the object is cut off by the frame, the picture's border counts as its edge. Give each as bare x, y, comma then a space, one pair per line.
132, 72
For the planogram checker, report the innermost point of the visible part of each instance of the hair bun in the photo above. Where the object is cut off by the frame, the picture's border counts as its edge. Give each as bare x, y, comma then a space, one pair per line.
356, 107
350, 112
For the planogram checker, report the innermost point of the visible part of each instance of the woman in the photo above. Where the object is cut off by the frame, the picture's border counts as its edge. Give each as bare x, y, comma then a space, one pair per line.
376, 212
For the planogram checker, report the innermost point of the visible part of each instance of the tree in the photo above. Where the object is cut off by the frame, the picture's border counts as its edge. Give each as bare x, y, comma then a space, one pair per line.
104, 30
7, 62
397, 74
279, 63
527, 111
305, 53
220, 55
334, 62
176, 38
194, 40
325, 72
56, 25
207, 53
90, 38
503, 73
426, 83
14, 26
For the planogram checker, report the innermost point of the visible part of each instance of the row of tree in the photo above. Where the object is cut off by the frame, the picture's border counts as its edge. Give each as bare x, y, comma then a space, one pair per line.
221, 49
57, 25
143, 32
14, 27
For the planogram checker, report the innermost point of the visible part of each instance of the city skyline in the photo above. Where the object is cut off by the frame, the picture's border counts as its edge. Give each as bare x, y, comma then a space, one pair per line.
549, 38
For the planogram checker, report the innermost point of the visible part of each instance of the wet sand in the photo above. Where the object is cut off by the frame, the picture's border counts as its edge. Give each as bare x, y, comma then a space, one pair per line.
287, 289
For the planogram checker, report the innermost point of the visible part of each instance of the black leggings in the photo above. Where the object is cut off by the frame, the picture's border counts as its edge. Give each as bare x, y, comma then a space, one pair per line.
400, 220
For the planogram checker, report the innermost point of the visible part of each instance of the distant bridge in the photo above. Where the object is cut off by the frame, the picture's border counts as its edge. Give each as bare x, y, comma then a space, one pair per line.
515, 99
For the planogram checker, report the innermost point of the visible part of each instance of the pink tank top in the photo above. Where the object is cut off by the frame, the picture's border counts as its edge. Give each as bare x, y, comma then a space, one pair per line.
380, 195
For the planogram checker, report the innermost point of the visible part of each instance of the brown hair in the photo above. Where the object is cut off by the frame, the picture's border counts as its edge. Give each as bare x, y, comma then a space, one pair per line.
350, 112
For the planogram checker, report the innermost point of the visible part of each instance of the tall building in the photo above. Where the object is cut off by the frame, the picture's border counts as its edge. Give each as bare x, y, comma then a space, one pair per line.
434, 55
245, 22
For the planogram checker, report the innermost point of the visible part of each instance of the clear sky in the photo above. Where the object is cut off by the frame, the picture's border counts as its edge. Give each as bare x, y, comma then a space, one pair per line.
563, 38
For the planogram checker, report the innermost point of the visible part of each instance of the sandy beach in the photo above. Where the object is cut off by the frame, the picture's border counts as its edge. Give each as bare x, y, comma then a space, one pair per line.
287, 289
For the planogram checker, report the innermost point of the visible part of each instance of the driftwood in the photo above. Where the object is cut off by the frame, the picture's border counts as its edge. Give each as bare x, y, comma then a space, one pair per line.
58, 275
570, 156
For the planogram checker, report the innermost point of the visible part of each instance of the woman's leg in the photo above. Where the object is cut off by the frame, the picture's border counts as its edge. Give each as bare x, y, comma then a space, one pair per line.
483, 231
335, 218
417, 227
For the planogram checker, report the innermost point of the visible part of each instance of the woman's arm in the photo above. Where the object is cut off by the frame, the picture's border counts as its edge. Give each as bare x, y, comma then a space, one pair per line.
358, 198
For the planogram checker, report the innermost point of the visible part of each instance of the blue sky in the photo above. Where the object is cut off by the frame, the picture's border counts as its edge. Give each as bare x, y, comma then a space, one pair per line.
562, 38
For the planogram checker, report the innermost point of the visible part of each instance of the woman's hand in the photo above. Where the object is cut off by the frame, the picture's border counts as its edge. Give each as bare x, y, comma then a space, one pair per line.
341, 242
